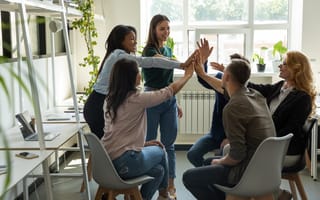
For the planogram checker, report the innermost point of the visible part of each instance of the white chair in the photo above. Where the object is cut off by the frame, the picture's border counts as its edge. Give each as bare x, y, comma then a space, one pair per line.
106, 176
262, 176
292, 173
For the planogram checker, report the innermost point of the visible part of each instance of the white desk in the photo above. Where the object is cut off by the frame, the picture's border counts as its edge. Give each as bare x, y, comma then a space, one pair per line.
62, 114
66, 130
20, 168
16, 142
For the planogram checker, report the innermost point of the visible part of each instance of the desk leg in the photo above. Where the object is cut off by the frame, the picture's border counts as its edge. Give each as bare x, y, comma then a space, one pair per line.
84, 168
25, 189
56, 156
314, 153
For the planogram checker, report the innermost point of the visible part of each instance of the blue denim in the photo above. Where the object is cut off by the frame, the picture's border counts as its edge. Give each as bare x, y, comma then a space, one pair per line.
200, 181
166, 116
202, 146
151, 161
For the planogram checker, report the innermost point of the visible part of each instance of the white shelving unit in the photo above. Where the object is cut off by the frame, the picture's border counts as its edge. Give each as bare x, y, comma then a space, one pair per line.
46, 8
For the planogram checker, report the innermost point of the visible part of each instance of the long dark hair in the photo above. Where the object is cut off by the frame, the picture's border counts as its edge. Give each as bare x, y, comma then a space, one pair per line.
122, 81
152, 36
115, 39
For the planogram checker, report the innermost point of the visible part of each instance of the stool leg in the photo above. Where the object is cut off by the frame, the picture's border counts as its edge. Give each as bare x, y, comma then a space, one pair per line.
300, 187
293, 190
99, 193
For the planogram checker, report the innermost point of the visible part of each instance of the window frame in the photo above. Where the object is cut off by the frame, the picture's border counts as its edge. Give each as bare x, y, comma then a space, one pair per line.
293, 39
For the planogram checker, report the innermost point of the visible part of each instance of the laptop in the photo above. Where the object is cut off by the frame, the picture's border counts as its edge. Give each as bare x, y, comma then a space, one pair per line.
27, 130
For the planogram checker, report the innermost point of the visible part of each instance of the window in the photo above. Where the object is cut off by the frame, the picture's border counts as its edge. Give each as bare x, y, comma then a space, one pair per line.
231, 26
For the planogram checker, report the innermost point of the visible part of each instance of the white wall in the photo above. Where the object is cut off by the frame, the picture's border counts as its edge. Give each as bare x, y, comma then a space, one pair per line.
311, 36
114, 12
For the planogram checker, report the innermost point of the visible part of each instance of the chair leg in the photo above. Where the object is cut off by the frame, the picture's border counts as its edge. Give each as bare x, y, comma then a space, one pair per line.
294, 180
136, 194
300, 187
232, 197
89, 171
265, 197
99, 193
308, 161
293, 189
110, 194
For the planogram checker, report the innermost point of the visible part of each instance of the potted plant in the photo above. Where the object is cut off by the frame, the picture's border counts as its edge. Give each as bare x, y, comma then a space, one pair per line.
259, 59
278, 51
87, 27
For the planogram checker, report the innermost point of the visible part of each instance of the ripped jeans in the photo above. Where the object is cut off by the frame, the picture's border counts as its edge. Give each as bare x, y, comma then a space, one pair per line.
151, 161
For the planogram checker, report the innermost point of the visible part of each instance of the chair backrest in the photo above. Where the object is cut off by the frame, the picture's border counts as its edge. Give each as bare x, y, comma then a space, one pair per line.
301, 164
103, 170
263, 173
307, 128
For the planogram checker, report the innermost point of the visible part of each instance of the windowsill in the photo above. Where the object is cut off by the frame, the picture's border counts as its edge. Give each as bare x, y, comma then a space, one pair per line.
179, 73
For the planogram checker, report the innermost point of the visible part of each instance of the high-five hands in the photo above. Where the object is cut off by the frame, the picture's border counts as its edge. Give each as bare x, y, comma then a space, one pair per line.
204, 49
198, 64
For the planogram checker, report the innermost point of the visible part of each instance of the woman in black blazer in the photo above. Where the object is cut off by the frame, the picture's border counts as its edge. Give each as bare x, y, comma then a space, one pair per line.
291, 101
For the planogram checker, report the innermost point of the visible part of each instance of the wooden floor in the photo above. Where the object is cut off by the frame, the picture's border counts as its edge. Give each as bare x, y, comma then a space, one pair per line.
68, 188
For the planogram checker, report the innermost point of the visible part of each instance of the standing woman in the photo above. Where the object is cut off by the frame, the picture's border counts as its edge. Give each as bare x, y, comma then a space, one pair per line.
125, 127
121, 43
164, 114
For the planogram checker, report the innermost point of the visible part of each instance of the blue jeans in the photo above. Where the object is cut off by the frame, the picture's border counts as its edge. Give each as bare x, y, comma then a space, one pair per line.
151, 161
164, 115
203, 145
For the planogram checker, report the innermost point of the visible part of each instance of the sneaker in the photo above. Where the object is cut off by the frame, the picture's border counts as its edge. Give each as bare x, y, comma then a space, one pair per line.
160, 197
172, 193
285, 195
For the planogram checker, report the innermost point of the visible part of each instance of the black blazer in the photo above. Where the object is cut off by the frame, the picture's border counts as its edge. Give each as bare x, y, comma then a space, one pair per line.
290, 115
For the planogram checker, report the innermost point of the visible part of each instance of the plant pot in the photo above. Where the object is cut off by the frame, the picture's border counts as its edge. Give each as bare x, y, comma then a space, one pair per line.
261, 67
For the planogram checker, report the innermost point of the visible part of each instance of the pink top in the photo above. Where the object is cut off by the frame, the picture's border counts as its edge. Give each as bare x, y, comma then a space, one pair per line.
128, 132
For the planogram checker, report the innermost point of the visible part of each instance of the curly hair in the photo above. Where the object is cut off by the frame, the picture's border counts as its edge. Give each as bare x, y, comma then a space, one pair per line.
115, 39
302, 77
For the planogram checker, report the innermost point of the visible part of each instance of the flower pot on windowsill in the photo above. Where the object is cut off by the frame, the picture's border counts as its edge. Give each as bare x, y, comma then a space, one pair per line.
261, 67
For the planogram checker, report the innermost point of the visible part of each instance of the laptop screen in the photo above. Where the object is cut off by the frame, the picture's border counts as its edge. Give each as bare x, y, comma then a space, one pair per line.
26, 123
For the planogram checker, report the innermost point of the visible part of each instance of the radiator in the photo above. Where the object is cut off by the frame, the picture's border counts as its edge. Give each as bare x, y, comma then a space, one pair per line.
197, 107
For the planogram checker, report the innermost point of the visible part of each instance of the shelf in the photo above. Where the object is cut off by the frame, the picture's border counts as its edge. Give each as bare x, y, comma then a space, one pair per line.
49, 9
36, 7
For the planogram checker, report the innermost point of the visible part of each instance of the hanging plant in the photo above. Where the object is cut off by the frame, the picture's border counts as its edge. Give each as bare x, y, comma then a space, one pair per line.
87, 28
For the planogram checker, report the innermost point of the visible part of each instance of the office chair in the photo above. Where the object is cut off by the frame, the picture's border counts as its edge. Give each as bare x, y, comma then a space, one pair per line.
292, 173
106, 176
263, 174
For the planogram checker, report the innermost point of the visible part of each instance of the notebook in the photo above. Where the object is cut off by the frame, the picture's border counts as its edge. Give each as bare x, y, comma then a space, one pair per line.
27, 130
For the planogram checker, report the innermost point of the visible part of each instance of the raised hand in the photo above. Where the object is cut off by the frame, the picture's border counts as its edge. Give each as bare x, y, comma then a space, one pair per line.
189, 60
188, 71
217, 66
204, 49
198, 65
